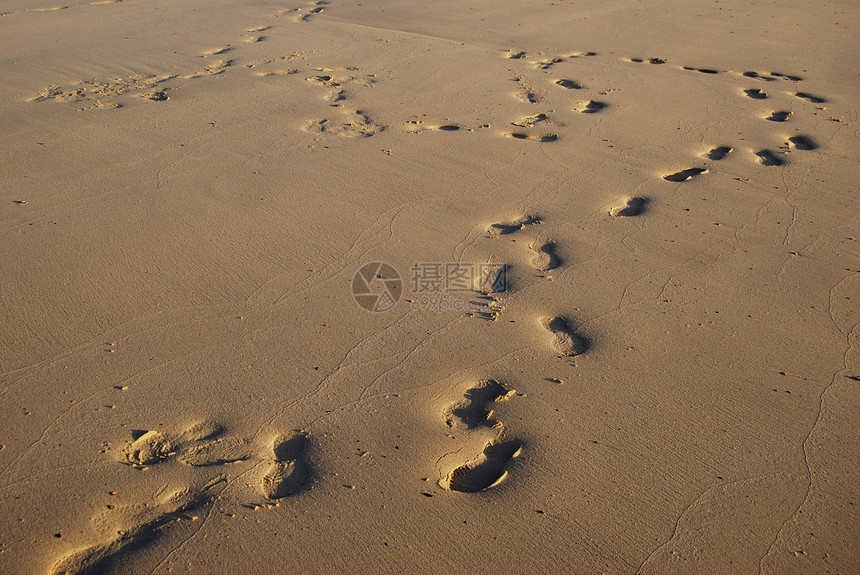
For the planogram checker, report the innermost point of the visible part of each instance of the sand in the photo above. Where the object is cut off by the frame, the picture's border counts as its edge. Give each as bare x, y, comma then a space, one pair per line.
615, 330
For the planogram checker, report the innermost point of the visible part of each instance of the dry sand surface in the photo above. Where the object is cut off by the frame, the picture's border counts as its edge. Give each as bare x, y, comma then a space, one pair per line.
625, 334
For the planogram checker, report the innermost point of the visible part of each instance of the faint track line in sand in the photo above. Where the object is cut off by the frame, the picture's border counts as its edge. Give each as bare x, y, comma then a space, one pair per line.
688, 508
849, 335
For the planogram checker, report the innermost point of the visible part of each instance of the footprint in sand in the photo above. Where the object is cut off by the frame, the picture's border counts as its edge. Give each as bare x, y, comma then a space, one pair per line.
802, 143
685, 175
631, 207
810, 98
590, 106
104, 557
511, 227
649, 60
718, 153
768, 158
486, 470
564, 340
530, 121
755, 94
476, 409
789, 77
569, 84
489, 467
203, 444
758, 76
289, 471
701, 70
778, 116
545, 257
532, 137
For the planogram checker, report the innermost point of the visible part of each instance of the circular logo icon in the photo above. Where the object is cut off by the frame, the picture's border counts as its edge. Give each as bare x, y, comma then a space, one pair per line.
377, 287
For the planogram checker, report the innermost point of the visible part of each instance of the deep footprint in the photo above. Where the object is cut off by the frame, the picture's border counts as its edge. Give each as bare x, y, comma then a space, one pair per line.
565, 341
810, 98
685, 175
289, 472
633, 207
545, 257
590, 107
569, 84
475, 410
778, 116
768, 158
802, 143
755, 94
719, 153
486, 470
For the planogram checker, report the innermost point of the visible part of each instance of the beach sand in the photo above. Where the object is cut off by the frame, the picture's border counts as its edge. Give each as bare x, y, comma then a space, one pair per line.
615, 330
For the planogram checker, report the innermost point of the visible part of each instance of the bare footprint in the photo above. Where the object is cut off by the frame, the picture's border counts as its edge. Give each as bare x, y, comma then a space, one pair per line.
590, 106
778, 116
530, 121
545, 257
755, 94
101, 558
289, 472
719, 153
476, 409
486, 470
810, 98
768, 158
565, 341
802, 143
511, 227
569, 84
532, 137
685, 175
632, 207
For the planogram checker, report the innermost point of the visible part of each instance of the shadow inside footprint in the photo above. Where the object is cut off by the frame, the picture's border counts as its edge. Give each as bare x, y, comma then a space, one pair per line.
569, 84
590, 107
755, 94
634, 207
768, 158
476, 410
565, 341
289, 472
802, 143
684, 175
719, 153
810, 98
509, 228
486, 470
778, 116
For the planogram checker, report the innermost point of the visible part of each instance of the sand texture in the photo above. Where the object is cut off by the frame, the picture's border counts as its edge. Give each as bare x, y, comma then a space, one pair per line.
385, 286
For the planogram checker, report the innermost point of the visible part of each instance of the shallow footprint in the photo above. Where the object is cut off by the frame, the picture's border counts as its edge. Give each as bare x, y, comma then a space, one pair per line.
685, 175
149, 447
632, 207
289, 472
509, 228
569, 84
545, 257
565, 340
486, 470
